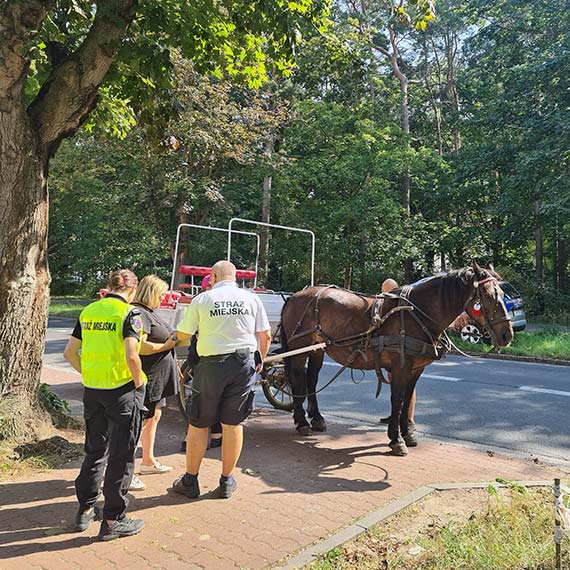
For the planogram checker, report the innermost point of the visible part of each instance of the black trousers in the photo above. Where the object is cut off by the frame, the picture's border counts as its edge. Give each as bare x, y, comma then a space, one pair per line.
113, 421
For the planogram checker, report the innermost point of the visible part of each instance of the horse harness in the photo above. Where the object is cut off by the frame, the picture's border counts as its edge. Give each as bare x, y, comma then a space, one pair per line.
403, 343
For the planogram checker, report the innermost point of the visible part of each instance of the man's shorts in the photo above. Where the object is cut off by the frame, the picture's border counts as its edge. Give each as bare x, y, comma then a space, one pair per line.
222, 387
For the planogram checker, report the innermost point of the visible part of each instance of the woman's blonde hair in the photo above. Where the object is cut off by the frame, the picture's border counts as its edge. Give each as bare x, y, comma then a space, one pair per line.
149, 291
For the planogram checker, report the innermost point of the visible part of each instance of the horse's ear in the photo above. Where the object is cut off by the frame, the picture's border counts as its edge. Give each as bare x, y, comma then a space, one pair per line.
476, 269
491, 268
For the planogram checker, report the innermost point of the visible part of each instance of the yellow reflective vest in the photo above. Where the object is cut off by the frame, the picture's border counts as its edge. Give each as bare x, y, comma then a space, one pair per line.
103, 354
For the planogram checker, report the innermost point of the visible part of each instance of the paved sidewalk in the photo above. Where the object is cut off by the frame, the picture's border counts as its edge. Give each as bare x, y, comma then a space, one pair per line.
292, 492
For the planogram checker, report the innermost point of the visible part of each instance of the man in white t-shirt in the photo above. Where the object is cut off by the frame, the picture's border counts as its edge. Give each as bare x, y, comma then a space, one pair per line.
232, 326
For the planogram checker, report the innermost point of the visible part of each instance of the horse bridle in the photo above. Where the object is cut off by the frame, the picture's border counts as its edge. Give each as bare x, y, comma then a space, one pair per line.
490, 320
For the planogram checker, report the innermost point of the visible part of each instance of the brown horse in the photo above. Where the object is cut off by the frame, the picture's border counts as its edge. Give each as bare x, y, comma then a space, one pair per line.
399, 331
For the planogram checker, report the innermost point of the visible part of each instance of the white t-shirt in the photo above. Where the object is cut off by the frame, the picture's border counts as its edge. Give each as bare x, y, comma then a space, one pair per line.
226, 319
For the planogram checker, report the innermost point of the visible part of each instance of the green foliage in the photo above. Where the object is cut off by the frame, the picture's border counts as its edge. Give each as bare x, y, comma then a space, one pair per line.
57, 404
547, 344
488, 154
243, 40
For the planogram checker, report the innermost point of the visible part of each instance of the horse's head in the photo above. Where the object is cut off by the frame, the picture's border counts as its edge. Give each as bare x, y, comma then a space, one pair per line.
486, 305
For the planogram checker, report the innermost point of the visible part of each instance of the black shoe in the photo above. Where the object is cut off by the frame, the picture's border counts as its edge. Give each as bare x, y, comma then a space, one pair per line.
215, 442
226, 488
385, 420
84, 518
189, 489
183, 447
120, 528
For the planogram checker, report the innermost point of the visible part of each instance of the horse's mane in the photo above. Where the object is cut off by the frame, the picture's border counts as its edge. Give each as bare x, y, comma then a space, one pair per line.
455, 278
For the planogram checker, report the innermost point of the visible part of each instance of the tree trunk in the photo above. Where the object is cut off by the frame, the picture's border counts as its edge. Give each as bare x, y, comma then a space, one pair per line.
451, 87
560, 259
408, 263
24, 275
266, 213
347, 277
538, 254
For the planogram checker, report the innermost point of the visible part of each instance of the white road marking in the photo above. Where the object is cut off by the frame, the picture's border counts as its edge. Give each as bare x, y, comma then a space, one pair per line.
544, 391
433, 376
438, 377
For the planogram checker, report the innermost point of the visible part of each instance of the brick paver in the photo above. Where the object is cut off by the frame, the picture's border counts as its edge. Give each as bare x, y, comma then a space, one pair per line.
296, 491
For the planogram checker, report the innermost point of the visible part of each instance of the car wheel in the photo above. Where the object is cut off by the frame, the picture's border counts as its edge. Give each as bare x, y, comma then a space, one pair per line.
470, 333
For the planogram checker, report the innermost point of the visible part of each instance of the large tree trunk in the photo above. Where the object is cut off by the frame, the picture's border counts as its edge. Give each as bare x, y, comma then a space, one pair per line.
28, 139
24, 275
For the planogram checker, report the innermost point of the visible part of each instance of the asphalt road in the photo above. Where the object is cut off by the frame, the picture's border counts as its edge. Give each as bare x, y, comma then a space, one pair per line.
516, 406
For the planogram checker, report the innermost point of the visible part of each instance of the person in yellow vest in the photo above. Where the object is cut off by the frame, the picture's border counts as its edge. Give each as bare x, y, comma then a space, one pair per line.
104, 348
387, 286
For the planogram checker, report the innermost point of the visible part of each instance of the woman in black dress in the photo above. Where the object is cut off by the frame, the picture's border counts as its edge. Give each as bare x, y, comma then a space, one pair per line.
159, 364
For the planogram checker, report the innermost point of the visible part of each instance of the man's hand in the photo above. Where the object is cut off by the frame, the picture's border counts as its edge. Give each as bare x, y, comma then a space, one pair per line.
263, 344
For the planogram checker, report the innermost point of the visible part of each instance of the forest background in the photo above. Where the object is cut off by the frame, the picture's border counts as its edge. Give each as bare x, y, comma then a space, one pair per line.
406, 149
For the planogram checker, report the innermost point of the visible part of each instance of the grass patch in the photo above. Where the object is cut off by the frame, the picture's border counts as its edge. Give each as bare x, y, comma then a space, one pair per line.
67, 307
544, 344
515, 533
512, 531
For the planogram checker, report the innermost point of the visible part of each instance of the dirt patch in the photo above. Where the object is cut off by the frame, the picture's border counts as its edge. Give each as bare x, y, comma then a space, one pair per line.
18, 459
397, 542
397, 537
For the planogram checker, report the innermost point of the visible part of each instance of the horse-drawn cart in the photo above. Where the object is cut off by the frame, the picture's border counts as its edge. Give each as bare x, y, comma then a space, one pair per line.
185, 285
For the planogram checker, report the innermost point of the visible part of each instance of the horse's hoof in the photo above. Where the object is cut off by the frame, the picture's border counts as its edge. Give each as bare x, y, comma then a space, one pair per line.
304, 430
411, 439
319, 425
399, 449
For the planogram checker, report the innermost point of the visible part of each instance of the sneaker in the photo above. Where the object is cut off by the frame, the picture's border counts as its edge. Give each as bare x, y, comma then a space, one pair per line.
226, 488
120, 528
188, 489
156, 468
136, 484
84, 518
385, 420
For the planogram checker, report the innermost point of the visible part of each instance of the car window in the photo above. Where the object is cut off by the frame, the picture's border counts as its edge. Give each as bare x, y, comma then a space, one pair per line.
509, 290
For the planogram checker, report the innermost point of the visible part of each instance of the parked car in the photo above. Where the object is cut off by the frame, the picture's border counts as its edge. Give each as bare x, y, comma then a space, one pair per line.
514, 303
470, 331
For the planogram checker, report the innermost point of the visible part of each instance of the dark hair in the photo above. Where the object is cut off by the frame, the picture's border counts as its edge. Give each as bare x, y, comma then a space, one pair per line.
122, 280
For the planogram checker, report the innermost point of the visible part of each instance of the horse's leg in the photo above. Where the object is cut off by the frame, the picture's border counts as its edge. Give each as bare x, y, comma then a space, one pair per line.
408, 433
295, 370
315, 364
399, 381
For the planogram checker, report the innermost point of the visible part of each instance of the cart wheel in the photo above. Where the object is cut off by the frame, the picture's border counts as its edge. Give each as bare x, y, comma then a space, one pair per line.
276, 388
471, 334
184, 389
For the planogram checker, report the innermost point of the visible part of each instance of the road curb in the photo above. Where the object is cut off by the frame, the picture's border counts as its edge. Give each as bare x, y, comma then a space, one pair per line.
362, 524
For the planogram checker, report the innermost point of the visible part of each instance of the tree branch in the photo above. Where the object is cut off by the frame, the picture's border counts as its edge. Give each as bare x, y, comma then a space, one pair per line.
70, 92
20, 22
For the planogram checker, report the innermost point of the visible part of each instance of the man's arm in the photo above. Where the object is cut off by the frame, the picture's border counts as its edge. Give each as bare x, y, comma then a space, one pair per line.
133, 360
188, 326
263, 344
71, 353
